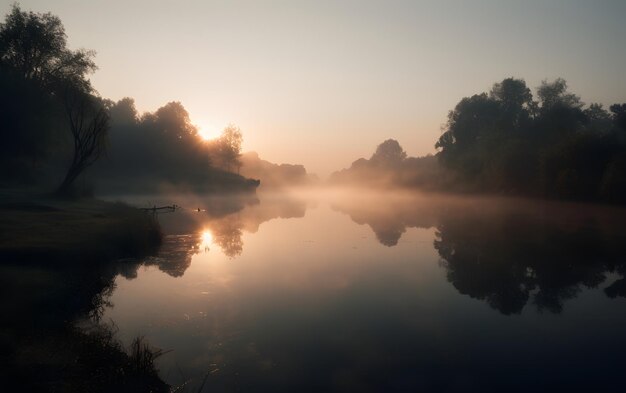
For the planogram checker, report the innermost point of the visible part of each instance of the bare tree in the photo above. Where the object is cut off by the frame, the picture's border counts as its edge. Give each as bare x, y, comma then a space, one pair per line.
89, 125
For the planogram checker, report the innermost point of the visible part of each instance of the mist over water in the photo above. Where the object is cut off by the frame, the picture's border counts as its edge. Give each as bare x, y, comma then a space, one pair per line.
346, 290
143, 250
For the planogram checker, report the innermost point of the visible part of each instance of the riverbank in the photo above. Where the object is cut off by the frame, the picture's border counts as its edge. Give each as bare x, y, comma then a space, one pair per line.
41, 229
58, 263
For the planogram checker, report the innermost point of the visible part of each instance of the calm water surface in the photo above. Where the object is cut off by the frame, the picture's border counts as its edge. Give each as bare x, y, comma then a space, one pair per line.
382, 293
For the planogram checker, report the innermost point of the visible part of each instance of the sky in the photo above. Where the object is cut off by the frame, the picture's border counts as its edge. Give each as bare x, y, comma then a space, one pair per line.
322, 83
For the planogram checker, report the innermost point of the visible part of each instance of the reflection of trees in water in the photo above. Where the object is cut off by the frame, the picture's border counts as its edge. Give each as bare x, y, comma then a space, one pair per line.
43, 343
225, 220
227, 231
389, 218
618, 288
175, 254
509, 253
227, 235
508, 259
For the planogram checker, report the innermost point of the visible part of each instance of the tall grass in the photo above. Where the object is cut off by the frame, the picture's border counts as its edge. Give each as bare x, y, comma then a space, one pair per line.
142, 356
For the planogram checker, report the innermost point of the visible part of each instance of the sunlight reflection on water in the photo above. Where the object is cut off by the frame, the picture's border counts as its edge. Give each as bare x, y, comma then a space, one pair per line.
297, 294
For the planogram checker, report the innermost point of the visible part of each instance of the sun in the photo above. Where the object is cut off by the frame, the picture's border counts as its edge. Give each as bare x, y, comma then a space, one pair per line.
208, 132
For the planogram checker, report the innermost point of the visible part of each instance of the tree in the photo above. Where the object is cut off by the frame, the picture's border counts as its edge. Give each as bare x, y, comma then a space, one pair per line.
229, 147
388, 154
560, 114
471, 129
513, 93
34, 54
34, 45
555, 93
619, 115
173, 119
89, 124
516, 101
598, 119
123, 112
472, 117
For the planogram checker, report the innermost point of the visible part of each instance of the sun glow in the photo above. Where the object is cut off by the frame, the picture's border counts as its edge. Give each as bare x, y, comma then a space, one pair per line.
208, 132
207, 238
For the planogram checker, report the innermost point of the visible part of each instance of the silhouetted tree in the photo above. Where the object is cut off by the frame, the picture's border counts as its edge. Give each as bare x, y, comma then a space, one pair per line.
390, 166
35, 46
555, 93
505, 142
274, 175
619, 115
229, 148
161, 148
89, 124
173, 120
516, 101
123, 112
48, 86
389, 153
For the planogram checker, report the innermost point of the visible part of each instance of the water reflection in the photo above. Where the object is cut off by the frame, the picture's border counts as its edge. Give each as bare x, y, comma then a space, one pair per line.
509, 253
53, 308
227, 233
417, 296
322, 302
545, 254
218, 223
390, 215
174, 257
52, 334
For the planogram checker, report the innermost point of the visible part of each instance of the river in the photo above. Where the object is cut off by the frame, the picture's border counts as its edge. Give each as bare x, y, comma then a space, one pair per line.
370, 292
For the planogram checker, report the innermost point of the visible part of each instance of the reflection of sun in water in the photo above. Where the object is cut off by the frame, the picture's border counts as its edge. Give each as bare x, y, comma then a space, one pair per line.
207, 240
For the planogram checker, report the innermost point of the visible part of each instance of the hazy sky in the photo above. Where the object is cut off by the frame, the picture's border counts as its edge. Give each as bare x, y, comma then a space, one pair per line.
323, 82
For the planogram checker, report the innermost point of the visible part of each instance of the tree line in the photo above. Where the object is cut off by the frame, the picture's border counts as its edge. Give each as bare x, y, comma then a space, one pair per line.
507, 142
504, 141
55, 125
163, 147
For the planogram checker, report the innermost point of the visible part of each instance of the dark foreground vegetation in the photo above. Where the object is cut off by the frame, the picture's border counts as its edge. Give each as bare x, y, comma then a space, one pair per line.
59, 261
71, 232
506, 142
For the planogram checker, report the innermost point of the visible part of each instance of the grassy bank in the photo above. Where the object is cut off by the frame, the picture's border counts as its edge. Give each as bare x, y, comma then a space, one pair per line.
39, 229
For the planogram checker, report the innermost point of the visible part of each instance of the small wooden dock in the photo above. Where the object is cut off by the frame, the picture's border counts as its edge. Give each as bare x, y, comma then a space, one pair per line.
160, 209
